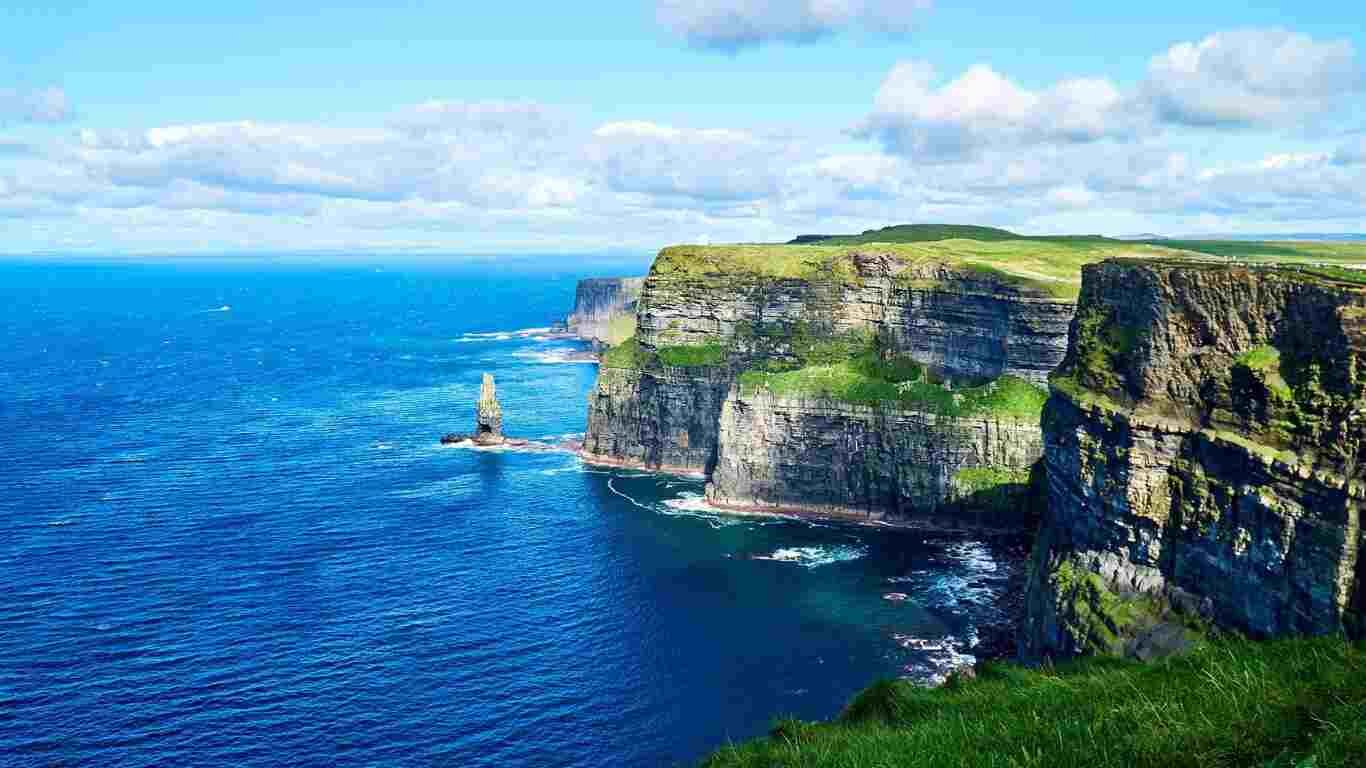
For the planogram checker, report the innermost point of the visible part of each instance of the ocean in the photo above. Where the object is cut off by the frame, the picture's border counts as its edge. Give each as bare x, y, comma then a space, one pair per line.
231, 537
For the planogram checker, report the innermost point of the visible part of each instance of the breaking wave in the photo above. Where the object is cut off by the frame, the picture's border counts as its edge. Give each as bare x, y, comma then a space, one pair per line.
815, 557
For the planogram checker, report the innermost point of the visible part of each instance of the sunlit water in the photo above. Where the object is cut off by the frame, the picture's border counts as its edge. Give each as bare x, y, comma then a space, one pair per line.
231, 537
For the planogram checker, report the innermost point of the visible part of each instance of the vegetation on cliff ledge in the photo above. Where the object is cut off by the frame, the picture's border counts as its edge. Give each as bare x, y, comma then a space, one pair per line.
628, 354
1280, 704
860, 375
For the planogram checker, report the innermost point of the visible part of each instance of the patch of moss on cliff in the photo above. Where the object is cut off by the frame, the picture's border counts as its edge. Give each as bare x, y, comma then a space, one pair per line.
1099, 620
628, 354
692, 355
1232, 704
977, 479
1102, 348
867, 378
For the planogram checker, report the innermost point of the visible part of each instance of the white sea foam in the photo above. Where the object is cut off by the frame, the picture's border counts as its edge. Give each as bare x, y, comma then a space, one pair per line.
939, 658
539, 334
559, 357
815, 557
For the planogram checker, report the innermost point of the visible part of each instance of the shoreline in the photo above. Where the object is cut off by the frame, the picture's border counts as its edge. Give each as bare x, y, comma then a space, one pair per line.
827, 514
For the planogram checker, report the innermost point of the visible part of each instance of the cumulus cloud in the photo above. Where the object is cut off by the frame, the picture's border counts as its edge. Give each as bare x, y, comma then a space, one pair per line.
1243, 78
41, 105
731, 25
982, 108
712, 166
1250, 77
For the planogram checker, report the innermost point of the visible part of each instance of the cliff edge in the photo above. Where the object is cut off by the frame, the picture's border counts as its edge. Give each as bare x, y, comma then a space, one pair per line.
605, 308
1202, 450
882, 381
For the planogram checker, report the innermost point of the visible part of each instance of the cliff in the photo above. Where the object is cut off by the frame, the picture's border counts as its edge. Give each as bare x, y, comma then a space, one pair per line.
881, 460
1202, 447
879, 380
604, 309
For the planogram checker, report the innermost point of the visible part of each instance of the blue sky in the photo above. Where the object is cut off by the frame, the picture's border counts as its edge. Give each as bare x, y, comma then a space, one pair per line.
155, 127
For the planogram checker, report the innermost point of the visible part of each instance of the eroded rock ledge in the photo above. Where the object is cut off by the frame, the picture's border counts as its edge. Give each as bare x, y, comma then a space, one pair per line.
1203, 441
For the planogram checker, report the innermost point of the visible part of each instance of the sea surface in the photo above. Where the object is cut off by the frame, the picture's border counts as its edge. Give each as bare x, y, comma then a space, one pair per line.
229, 536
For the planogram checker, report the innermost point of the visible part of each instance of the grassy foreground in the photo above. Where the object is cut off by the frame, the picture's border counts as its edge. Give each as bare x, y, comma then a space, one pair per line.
1297, 703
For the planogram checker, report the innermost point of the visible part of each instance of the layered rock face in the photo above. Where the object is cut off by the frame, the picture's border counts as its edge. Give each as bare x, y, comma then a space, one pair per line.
873, 462
1202, 447
598, 301
674, 402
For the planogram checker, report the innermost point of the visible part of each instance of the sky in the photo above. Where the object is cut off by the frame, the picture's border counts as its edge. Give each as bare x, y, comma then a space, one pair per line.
172, 127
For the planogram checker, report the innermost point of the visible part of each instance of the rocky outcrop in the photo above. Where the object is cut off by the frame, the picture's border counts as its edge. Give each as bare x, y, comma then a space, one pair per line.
601, 301
672, 401
831, 458
488, 422
1202, 450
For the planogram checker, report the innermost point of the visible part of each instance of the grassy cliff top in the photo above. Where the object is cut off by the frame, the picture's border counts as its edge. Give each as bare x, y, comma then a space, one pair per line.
1048, 265
1280, 704
1051, 267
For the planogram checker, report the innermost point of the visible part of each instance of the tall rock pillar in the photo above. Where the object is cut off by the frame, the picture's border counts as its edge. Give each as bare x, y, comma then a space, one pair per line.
488, 428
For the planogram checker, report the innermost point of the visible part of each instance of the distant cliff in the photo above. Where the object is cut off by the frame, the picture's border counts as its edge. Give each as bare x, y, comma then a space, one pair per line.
604, 309
877, 381
1204, 439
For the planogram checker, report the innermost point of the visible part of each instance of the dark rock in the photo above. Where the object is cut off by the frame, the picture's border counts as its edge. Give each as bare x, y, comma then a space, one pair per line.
1203, 446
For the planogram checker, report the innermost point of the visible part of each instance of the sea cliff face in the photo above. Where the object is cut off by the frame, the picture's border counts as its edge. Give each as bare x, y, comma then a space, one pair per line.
878, 461
672, 398
604, 307
1202, 449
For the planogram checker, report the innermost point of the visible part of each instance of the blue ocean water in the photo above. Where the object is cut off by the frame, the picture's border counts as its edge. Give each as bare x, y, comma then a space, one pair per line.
230, 537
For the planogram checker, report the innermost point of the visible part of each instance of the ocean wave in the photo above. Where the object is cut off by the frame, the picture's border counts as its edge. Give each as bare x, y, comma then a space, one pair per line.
538, 334
560, 357
816, 556
938, 658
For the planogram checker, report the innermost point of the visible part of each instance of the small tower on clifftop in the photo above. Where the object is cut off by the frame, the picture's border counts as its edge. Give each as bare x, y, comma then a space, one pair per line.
488, 426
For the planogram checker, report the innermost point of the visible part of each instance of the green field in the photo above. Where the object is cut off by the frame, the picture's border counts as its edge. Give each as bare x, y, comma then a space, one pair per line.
1046, 265
1230, 704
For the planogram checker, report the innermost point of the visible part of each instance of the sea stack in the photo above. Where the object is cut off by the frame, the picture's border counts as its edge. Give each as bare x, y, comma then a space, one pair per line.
488, 428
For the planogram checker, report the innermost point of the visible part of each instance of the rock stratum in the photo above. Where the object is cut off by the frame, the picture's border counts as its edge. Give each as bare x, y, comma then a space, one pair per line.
1203, 444
604, 309
873, 382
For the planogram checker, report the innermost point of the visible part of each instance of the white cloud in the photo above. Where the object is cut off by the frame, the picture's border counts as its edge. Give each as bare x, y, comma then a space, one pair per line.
1242, 78
34, 105
716, 166
983, 109
731, 25
1250, 77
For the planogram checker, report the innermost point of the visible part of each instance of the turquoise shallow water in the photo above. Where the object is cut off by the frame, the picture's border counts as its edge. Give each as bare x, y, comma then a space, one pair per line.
229, 536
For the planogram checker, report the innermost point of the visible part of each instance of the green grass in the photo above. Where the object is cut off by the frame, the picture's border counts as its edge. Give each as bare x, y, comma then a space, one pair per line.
862, 377
921, 233
628, 354
982, 479
1049, 265
1229, 704
1046, 267
693, 355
